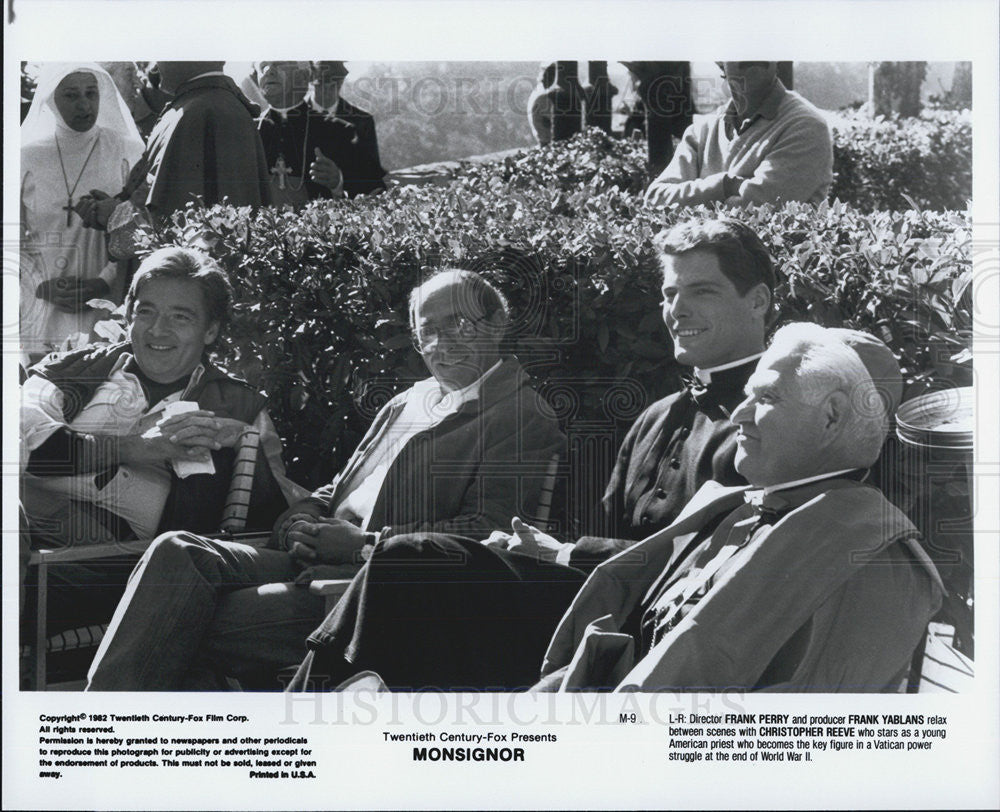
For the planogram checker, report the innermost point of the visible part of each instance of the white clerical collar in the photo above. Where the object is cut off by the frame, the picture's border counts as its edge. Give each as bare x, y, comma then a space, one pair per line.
705, 375
323, 111
796, 483
208, 73
283, 111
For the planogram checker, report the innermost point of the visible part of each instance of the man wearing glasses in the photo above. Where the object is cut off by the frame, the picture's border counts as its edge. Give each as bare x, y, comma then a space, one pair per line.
456, 454
767, 145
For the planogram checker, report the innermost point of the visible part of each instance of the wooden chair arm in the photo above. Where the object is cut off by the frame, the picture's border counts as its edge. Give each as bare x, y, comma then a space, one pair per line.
332, 590
95, 552
334, 586
89, 552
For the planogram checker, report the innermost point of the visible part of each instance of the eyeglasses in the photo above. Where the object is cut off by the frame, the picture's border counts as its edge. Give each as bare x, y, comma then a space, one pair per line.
426, 337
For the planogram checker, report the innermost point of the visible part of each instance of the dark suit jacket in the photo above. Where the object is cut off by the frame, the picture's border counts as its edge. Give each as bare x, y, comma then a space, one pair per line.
471, 472
365, 173
676, 446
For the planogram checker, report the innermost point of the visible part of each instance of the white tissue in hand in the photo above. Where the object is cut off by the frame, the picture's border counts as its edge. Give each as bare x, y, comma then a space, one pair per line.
183, 468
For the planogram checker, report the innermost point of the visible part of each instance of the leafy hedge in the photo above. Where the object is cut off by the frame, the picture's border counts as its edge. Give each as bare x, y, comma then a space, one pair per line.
895, 163
878, 163
881, 163
321, 314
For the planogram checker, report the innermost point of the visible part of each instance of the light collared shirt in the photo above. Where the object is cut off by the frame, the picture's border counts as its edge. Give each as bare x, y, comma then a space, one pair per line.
137, 493
425, 405
768, 108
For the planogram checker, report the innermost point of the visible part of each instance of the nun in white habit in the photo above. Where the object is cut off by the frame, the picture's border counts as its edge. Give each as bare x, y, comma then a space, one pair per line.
78, 137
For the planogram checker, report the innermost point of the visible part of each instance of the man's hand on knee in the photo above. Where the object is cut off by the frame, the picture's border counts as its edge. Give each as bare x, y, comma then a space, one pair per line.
325, 541
307, 510
528, 540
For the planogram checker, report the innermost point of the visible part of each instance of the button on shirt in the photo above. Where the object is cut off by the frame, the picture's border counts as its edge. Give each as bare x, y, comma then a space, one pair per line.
675, 447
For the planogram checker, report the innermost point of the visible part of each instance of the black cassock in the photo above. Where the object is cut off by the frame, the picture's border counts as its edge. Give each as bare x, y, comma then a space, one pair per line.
347, 138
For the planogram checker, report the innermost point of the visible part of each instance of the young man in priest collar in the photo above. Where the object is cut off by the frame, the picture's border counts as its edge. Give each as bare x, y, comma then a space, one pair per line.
810, 581
718, 280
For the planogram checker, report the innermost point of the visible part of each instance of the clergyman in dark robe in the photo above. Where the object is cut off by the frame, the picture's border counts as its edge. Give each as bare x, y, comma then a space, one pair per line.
317, 145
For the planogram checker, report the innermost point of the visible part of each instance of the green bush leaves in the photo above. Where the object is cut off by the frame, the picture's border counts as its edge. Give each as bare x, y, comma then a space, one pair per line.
321, 316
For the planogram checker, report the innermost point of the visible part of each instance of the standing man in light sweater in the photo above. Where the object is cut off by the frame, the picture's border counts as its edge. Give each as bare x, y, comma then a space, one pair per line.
767, 145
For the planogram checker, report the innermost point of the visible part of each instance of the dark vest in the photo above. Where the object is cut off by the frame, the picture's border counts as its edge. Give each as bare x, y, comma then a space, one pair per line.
196, 502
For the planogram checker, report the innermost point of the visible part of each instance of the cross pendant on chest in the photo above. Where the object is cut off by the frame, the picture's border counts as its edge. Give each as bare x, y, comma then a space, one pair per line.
281, 169
68, 208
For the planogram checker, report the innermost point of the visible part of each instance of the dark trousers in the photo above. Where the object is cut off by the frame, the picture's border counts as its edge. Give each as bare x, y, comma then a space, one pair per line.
436, 610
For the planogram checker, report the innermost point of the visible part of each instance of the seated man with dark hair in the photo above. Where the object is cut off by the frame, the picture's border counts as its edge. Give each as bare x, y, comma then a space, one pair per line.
807, 581
459, 452
130, 440
717, 283
718, 279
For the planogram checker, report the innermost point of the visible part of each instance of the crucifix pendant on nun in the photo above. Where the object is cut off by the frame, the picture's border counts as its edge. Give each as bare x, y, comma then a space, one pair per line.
280, 170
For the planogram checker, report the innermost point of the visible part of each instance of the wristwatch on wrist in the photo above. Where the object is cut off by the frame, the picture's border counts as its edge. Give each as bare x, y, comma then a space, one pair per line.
371, 539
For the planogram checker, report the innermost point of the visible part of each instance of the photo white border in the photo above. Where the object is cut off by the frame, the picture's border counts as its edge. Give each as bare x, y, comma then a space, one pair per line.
593, 765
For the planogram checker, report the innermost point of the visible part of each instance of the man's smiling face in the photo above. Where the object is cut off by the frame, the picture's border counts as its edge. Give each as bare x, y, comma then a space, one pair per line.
710, 322
170, 328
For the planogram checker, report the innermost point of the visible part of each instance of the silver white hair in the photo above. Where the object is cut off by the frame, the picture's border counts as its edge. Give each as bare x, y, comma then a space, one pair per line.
825, 364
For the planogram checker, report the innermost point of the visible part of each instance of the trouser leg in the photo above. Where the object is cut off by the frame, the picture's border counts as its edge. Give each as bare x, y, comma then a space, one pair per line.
168, 607
258, 632
80, 593
445, 611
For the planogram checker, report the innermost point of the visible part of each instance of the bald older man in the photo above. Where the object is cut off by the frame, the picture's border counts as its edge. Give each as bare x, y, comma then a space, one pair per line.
808, 581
